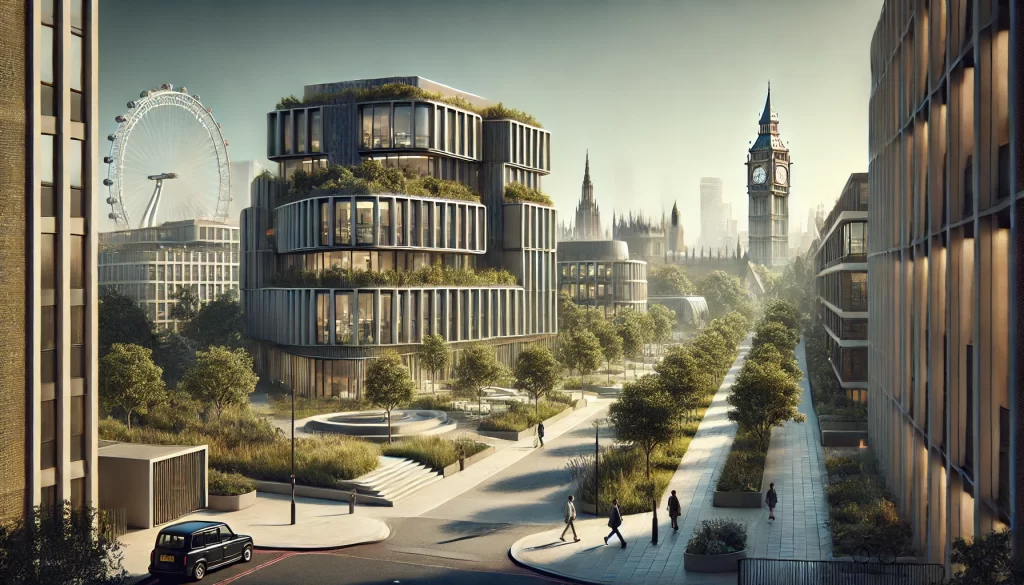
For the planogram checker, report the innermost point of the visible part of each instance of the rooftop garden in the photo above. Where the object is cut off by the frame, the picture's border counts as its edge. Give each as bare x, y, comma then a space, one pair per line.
520, 193
371, 177
402, 91
436, 275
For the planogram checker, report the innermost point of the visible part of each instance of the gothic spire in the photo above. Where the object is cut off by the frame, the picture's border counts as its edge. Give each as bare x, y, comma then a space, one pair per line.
768, 116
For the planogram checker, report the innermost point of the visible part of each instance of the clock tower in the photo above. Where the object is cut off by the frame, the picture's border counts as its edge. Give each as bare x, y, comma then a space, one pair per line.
768, 180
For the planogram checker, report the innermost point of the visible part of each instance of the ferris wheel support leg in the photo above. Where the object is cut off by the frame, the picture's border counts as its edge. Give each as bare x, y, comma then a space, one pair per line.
149, 218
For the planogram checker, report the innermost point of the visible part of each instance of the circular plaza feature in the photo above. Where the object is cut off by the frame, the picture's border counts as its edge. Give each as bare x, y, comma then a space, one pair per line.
372, 425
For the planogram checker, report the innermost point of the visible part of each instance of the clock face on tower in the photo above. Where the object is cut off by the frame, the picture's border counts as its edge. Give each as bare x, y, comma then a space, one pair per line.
759, 175
781, 175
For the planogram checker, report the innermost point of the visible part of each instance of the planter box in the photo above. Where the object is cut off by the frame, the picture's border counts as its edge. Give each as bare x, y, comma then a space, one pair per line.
843, 438
231, 503
738, 500
520, 435
842, 426
454, 467
726, 563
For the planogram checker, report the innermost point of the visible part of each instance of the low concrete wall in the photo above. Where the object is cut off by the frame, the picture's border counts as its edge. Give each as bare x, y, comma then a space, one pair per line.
232, 503
843, 438
726, 563
304, 491
737, 499
842, 426
454, 467
517, 436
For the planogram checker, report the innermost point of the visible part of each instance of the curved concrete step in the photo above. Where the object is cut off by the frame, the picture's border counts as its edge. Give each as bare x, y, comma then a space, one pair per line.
415, 486
381, 474
408, 474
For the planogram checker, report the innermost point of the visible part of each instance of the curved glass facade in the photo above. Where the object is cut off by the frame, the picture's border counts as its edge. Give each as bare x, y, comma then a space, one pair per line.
609, 284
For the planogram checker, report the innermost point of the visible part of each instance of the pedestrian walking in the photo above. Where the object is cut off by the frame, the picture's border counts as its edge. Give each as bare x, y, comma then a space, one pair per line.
462, 458
614, 521
540, 433
674, 510
771, 498
570, 521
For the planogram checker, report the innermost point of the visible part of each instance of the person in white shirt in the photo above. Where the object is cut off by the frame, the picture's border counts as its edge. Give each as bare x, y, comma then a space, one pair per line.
570, 519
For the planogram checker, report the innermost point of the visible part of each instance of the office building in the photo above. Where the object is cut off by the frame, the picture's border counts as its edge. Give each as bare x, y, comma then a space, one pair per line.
768, 181
149, 265
841, 265
600, 274
48, 161
944, 266
243, 173
309, 257
713, 215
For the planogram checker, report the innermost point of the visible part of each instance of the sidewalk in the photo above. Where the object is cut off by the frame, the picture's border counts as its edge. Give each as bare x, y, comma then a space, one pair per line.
795, 463
319, 524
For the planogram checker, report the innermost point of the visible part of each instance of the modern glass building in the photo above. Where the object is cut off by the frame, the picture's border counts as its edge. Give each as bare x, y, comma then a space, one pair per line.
149, 265
48, 161
314, 335
600, 274
944, 266
840, 261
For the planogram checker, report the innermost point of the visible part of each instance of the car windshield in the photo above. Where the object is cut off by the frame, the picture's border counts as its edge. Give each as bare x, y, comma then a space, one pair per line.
170, 541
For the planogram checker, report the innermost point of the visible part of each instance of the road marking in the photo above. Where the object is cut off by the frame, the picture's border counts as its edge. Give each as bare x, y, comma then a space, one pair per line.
427, 552
256, 568
524, 574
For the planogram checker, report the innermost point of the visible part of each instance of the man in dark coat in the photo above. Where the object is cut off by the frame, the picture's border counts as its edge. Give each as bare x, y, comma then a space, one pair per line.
771, 498
614, 521
540, 433
674, 510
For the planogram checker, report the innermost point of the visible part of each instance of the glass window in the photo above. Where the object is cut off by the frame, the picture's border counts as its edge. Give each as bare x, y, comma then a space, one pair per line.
385, 317
77, 205
47, 12
300, 132
77, 324
314, 131
47, 103
49, 327
48, 434
342, 223
287, 121
75, 62
76, 152
382, 126
343, 318
323, 308
451, 131
272, 134
77, 428
361, 261
400, 207
48, 201
46, 159
325, 222
77, 262
460, 134
436, 241
423, 134
403, 125
46, 66
470, 135
384, 237
453, 226
48, 261
367, 126
170, 541
366, 318
76, 17
364, 223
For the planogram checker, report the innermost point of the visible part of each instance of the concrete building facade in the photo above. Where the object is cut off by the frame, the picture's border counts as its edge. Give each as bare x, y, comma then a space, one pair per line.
48, 161
149, 265
840, 262
944, 263
600, 274
713, 218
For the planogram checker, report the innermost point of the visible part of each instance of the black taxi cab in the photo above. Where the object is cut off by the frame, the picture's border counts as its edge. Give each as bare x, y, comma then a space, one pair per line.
191, 549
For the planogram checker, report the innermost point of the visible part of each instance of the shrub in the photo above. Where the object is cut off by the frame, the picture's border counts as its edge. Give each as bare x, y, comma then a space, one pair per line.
372, 177
575, 383
435, 275
281, 406
520, 417
560, 398
432, 402
434, 452
228, 484
859, 507
842, 467
520, 193
858, 490
717, 536
744, 466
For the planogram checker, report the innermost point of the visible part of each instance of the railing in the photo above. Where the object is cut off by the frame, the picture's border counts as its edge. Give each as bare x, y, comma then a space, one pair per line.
114, 522
794, 572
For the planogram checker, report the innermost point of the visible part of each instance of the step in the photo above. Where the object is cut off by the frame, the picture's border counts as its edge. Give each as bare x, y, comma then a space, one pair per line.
412, 488
409, 486
381, 474
398, 480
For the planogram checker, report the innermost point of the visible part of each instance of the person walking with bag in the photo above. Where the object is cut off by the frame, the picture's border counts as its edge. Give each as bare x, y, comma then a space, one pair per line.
771, 498
674, 510
570, 519
614, 521
540, 433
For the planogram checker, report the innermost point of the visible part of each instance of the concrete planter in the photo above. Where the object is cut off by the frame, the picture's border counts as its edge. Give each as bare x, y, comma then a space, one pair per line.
532, 431
454, 467
231, 503
843, 438
738, 500
305, 491
726, 563
842, 426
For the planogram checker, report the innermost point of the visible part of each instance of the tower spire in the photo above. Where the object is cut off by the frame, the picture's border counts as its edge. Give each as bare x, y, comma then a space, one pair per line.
768, 116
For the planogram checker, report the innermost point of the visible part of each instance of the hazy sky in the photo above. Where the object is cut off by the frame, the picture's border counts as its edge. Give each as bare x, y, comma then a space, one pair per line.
662, 93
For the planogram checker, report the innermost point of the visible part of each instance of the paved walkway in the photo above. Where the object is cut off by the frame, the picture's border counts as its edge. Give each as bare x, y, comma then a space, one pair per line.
795, 464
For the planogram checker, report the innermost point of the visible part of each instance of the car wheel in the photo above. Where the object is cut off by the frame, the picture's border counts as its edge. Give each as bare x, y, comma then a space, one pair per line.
199, 571
247, 554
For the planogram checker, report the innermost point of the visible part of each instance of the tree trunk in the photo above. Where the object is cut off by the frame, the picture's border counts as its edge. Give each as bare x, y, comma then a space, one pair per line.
536, 405
433, 382
609, 362
649, 464
389, 427
480, 402
128, 418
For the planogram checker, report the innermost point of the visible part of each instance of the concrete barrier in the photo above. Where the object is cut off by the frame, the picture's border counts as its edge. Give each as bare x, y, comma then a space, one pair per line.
454, 467
231, 503
305, 491
737, 500
727, 563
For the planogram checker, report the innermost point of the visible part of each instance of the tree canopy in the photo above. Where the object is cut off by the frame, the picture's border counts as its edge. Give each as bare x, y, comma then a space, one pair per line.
768, 353
187, 306
218, 323
221, 377
476, 369
435, 355
388, 384
763, 397
608, 337
129, 380
777, 334
121, 320
724, 293
580, 349
175, 354
570, 315
669, 280
536, 373
783, 312
683, 378
664, 319
645, 415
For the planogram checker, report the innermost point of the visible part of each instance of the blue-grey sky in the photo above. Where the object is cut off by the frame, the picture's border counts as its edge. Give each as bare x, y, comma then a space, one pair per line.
661, 93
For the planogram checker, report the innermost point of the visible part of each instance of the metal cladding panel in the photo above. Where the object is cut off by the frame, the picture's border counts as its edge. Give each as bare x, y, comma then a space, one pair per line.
340, 135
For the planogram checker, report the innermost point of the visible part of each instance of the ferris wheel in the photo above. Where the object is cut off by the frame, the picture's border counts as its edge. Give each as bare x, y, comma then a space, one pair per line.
168, 161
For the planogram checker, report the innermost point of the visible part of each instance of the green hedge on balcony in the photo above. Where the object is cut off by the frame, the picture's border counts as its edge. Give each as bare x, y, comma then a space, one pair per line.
520, 193
371, 177
436, 275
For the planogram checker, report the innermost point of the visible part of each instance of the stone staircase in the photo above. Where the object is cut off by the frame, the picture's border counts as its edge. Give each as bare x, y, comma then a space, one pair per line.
395, 479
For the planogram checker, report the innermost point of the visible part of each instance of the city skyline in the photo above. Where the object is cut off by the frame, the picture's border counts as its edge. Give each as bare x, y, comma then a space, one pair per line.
714, 130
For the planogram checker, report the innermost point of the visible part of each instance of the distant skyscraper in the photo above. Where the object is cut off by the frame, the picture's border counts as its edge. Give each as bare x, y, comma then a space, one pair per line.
712, 219
242, 175
768, 192
588, 216
676, 239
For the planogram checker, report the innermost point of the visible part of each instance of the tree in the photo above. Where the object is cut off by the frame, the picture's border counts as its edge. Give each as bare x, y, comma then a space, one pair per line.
536, 373
664, 320
644, 415
611, 343
218, 323
768, 353
764, 397
129, 380
580, 349
724, 293
175, 354
783, 312
221, 377
713, 352
477, 369
985, 560
683, 378
669, 280
187, 306
59, 544
121, 320
570, 315
436, 356
632, 335
775, 333
388, 384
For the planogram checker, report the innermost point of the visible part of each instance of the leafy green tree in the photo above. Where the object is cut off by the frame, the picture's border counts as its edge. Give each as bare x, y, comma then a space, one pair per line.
611, 343
570, 315
768, 353
476, 369
645, 415
631, 331
221, 377
777, 334
536, 373
121, 320
783, 312
59, 544
985, 560
683, 378
738, 325
129, 380
664, 320
579, 349
669, 280
218, 323
764, 397
187, 306
713, 351
724, 293
175, 354
388, 384
436, 356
